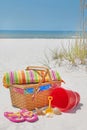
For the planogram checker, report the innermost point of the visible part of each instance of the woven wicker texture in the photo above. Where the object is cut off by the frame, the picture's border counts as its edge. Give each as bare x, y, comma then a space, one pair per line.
26, 100
32, 101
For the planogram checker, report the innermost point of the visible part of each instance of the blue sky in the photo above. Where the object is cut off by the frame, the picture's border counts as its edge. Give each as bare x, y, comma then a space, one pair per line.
39, 14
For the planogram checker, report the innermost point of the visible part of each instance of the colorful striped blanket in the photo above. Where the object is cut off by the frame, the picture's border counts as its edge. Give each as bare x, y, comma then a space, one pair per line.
27, 76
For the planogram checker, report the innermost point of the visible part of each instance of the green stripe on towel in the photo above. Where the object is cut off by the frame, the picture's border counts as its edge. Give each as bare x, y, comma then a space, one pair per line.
16, 77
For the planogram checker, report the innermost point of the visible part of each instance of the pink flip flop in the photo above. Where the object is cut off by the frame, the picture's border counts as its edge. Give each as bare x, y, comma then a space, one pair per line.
14, 117
29, 115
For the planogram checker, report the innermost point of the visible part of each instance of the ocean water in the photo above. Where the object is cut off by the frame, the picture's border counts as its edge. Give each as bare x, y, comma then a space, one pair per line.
38, 34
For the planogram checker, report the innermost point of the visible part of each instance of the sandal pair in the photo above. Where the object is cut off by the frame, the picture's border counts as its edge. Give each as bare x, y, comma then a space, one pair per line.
21, 116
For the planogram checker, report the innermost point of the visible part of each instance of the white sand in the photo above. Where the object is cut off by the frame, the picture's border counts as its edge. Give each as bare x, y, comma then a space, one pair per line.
16, 54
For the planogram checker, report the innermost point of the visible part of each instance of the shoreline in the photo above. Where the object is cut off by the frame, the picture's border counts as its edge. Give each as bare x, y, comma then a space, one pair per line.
39, 34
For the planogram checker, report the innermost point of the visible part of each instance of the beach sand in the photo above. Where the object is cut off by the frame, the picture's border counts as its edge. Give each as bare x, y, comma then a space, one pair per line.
17, 54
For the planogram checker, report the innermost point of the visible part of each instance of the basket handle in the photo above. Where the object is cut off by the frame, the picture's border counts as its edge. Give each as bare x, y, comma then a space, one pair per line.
40, 68
36, 68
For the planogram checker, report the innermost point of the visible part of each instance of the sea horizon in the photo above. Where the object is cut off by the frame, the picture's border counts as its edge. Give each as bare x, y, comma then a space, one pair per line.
32, 34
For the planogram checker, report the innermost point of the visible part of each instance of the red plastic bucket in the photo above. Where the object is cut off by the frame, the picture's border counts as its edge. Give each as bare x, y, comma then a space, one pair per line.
64, 99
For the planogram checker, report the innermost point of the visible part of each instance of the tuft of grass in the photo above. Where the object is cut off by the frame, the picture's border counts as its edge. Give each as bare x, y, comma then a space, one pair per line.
79, 51
74, 53
46, 61
57, 55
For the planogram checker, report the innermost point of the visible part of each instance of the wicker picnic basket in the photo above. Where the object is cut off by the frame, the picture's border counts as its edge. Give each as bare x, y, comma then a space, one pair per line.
31, 96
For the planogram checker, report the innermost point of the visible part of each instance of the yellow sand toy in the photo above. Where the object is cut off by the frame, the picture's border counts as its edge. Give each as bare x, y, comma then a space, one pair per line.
49, 109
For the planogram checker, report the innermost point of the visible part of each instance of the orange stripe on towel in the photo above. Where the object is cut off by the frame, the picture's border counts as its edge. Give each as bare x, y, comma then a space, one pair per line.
42, 74
23, 77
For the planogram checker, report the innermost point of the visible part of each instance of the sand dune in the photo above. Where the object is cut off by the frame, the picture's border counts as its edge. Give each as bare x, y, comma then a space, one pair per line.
16, 54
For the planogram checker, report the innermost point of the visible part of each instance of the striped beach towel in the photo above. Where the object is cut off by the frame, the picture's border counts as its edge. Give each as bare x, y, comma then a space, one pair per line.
27, 77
